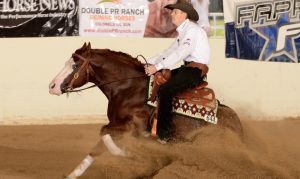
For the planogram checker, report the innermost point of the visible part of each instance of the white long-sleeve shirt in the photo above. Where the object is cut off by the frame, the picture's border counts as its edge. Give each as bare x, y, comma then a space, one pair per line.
191, 44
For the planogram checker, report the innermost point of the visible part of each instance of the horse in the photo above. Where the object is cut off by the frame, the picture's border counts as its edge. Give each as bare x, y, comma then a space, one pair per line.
122, 79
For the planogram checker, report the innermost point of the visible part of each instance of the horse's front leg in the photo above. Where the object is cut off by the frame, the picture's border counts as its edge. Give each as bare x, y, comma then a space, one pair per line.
105, 142
108, 131
97, 150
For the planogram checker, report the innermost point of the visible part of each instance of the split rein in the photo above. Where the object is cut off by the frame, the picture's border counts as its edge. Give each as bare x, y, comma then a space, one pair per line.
86, 62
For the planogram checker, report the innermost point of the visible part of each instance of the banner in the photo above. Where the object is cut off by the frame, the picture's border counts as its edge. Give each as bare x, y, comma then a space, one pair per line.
104, 18
120, 18
35, 18
126, 18
263, 30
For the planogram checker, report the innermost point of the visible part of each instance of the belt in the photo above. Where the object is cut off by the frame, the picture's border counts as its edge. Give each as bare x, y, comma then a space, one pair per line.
186, 62
201, 66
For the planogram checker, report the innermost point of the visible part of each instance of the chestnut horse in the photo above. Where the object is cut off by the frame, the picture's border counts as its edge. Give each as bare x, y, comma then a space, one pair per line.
123, 81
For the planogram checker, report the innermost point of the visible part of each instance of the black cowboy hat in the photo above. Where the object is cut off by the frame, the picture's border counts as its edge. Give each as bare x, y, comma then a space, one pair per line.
185, 7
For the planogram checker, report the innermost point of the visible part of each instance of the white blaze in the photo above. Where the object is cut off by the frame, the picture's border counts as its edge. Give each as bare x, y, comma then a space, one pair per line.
54, 86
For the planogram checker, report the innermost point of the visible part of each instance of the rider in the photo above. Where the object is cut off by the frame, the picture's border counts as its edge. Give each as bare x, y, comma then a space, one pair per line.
192, 47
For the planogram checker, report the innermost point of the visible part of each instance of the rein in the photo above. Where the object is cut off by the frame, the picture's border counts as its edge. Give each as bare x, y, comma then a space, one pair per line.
87, 63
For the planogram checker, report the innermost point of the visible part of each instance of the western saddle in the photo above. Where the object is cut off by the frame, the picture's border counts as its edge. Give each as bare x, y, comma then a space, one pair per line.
200, 95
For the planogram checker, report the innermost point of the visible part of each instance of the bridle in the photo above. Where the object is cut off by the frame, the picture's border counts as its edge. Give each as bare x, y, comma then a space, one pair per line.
87, 66
89, 70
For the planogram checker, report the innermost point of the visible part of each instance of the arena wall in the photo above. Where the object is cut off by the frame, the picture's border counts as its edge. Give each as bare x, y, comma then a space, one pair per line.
256, 89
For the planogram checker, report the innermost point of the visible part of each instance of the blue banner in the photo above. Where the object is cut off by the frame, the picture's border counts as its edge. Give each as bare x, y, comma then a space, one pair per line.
263, 30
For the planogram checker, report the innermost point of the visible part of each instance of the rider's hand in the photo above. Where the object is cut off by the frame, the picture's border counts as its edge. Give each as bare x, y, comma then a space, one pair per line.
150, 69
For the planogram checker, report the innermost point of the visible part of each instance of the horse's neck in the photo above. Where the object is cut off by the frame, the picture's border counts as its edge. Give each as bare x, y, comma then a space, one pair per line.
117, 76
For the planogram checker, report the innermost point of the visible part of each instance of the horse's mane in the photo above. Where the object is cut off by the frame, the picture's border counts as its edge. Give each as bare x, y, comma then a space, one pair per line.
121, 57
125, 57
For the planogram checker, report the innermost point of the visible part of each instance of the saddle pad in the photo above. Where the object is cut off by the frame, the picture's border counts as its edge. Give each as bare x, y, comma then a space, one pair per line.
182, 107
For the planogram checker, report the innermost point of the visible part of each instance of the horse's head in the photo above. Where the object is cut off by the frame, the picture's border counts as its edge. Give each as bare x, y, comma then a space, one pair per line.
75, 73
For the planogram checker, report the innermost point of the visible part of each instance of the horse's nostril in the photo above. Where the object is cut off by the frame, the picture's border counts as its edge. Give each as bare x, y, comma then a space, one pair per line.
52, 86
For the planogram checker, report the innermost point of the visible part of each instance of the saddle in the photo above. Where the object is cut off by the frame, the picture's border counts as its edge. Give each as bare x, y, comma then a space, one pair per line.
200, 95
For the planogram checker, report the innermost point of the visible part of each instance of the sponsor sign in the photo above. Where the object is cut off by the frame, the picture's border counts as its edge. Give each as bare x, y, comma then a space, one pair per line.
116, 18
263, 30
38, 18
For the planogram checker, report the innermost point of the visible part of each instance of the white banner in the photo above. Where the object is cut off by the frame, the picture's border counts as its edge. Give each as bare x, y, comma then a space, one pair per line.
116, 18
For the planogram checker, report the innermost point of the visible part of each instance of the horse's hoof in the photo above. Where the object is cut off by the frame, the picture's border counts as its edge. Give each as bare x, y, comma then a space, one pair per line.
69, 177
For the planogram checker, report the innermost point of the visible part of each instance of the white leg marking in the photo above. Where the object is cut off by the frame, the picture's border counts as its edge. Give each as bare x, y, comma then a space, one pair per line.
112, 147
81, 168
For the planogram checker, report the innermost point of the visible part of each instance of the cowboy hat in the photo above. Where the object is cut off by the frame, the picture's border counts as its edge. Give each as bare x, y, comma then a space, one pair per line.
185, 7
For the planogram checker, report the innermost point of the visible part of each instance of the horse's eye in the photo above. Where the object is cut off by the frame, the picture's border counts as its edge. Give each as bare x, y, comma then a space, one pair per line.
74, 66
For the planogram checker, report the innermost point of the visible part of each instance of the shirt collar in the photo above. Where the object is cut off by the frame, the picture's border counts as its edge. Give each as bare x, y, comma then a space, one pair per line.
182, 25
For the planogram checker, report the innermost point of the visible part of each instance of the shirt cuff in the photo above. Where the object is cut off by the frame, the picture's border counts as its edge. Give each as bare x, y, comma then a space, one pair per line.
151, 61
159, 66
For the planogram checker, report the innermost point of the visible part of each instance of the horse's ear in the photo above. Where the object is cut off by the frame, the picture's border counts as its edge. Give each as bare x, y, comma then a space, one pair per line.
84, 46
89, 47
